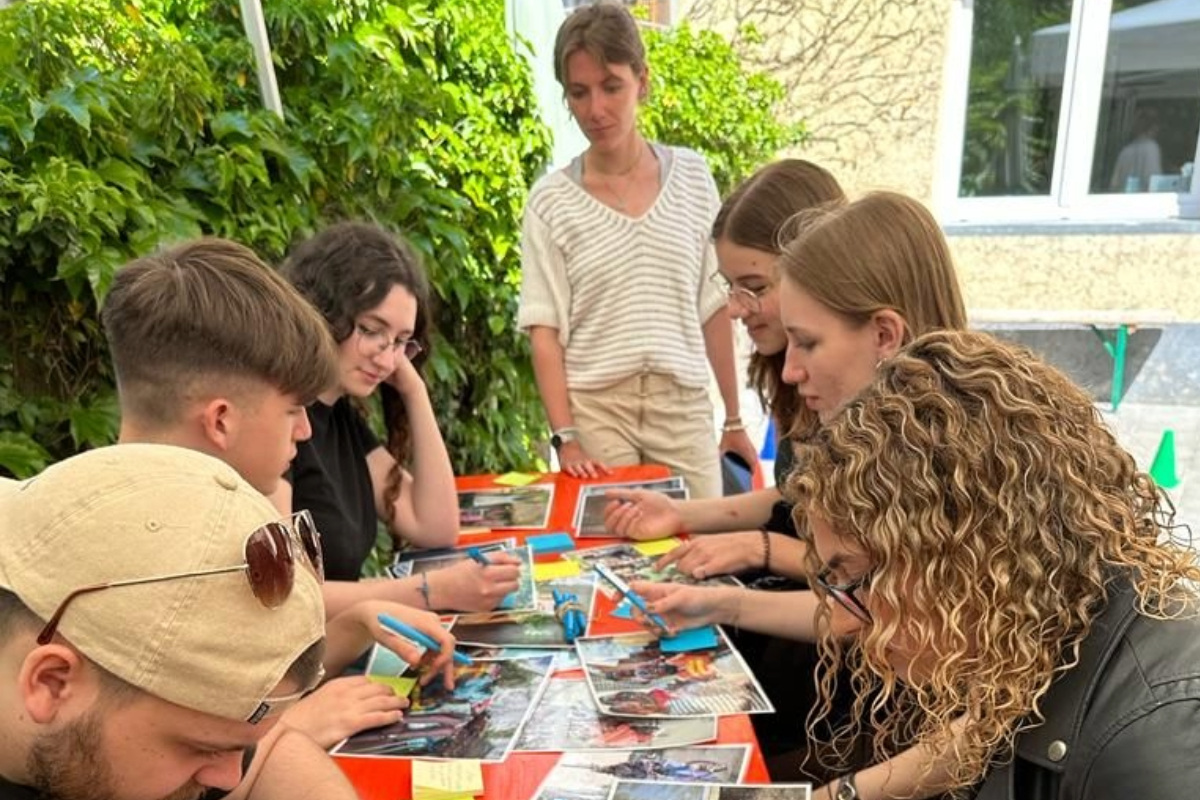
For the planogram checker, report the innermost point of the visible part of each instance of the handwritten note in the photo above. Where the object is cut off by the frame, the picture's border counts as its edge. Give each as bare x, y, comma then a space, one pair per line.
446, 780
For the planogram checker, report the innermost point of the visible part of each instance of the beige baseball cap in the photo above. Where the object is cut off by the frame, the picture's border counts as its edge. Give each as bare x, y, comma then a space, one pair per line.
135, 511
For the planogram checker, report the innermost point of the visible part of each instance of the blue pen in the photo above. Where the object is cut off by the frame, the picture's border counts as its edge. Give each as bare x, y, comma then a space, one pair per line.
634, 598
409, 632
478, 557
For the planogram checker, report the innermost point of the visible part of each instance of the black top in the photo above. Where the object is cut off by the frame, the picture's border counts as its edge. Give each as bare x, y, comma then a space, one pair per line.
12, 791
329, 477
781, 513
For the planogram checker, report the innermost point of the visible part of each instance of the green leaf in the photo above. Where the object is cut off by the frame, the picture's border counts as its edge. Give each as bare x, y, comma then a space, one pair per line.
65, 99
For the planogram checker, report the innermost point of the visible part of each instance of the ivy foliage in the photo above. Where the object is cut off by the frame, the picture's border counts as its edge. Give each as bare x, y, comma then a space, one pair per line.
703, 98
127, 125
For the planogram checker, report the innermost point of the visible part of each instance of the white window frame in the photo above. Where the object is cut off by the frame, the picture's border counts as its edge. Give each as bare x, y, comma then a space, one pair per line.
1069, 196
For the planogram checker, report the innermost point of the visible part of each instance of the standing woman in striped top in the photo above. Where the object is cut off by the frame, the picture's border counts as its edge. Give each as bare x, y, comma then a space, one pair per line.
616, 293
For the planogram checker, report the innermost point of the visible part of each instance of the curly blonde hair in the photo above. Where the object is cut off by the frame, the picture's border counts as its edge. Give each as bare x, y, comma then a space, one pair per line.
996, 508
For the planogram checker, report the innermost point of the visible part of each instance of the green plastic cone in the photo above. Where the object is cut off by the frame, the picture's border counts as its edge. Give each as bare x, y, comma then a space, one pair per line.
1163, 468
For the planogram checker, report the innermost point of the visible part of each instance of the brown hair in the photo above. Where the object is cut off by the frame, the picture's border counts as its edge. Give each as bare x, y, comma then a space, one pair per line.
998, 512
346, 270
883, 251
210, 310
607, 31
752, 216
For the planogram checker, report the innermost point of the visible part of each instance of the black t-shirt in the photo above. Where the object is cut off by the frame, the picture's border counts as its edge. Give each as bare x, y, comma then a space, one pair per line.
329, 477
12, 791
781, 513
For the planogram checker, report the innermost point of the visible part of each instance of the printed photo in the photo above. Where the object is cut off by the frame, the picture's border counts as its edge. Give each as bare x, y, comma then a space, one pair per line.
414, 562
506, 507
591, 775
645, 790
480, 719
566, 718
538, 628
630, 676
589, 509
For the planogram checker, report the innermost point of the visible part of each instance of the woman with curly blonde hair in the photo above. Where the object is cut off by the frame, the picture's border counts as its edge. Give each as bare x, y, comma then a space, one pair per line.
1015, 589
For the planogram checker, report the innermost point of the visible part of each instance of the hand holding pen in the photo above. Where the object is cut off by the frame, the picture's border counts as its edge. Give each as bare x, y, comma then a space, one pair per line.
635, 599
443, 652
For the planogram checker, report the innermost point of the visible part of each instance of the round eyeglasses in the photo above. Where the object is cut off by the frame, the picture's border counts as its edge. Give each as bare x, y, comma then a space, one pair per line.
372, 342
749, 299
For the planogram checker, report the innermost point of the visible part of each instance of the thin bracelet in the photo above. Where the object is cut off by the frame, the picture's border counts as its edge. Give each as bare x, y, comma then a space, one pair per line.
732, 427
425, 591
766, 537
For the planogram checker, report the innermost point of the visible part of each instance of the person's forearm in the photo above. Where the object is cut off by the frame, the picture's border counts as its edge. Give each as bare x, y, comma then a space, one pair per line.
341, 595
788, 615
739, 512
787, 556
428, 517
718, 344
550, 372
290, 766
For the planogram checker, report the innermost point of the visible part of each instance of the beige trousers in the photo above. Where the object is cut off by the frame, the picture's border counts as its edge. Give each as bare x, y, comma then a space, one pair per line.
649, 418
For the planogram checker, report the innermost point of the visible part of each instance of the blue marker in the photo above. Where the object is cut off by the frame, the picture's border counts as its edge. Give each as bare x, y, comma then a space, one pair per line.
633, 597
409, 632
478, 557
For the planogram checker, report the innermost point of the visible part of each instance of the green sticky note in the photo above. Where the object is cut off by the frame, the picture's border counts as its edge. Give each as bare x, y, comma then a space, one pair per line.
401, 686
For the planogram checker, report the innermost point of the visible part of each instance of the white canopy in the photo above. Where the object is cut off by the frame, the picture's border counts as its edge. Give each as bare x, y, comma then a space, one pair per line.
1163, 35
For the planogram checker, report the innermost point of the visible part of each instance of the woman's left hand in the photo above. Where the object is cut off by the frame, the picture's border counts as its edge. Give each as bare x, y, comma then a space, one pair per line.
404, 378
739, 442
712, 554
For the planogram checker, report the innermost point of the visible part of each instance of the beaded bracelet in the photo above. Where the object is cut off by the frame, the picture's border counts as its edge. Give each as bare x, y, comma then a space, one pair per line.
766, 537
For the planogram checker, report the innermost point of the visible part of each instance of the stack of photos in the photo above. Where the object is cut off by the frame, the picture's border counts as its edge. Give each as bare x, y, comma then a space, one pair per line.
648, 790
591, 775
479, 719
566, 719
537, 628
589, 511
414, 562
564, 660
506, 507
631, 564
630, 676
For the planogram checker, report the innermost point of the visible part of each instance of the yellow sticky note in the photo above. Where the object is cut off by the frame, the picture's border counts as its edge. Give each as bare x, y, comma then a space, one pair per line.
549, 570
657, 547
401, 686
517, 478
444, 780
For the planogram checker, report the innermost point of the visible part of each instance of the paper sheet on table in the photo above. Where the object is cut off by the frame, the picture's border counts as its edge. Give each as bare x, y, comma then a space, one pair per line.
686, 641
446, 780
657, 547
549, 570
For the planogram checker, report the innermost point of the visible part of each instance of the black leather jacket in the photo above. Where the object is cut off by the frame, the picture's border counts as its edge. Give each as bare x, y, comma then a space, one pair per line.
1124, 724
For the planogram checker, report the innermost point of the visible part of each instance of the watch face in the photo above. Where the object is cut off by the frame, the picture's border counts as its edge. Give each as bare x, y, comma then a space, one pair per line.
556, 442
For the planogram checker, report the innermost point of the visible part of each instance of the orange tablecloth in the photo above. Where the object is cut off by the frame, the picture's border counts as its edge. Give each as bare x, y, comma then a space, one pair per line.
518, 777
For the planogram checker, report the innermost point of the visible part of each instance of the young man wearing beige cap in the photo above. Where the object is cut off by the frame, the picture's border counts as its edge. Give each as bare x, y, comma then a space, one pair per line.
156, 616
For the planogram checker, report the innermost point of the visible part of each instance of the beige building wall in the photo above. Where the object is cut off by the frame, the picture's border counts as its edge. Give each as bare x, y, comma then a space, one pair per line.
868, 79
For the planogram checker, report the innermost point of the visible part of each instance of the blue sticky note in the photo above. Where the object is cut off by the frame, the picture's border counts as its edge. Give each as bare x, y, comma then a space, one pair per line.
550, 543
694, 639
623, 611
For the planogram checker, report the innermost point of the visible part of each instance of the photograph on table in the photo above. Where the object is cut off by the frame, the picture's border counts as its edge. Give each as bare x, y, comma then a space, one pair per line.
538, 628
591, 775
416, 561
566, 718
506, 507
480, 719
629, 675
635, 562
565, 660
589, 509
660, 790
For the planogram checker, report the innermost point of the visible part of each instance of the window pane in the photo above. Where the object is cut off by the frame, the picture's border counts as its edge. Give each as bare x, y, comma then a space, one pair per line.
1018, 53
1150, 107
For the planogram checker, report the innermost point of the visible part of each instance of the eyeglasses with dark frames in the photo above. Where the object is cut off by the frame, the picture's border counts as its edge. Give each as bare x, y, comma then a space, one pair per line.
843, 594
270, 566
372, 342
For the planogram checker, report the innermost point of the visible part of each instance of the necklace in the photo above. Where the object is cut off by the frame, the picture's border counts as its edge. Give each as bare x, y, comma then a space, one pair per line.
620, 196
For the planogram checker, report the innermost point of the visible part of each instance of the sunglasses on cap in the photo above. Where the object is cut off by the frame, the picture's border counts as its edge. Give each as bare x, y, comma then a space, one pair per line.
270, 566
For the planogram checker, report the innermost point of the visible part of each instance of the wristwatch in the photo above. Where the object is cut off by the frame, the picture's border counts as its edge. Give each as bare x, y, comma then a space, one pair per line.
563, 435
846, 789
